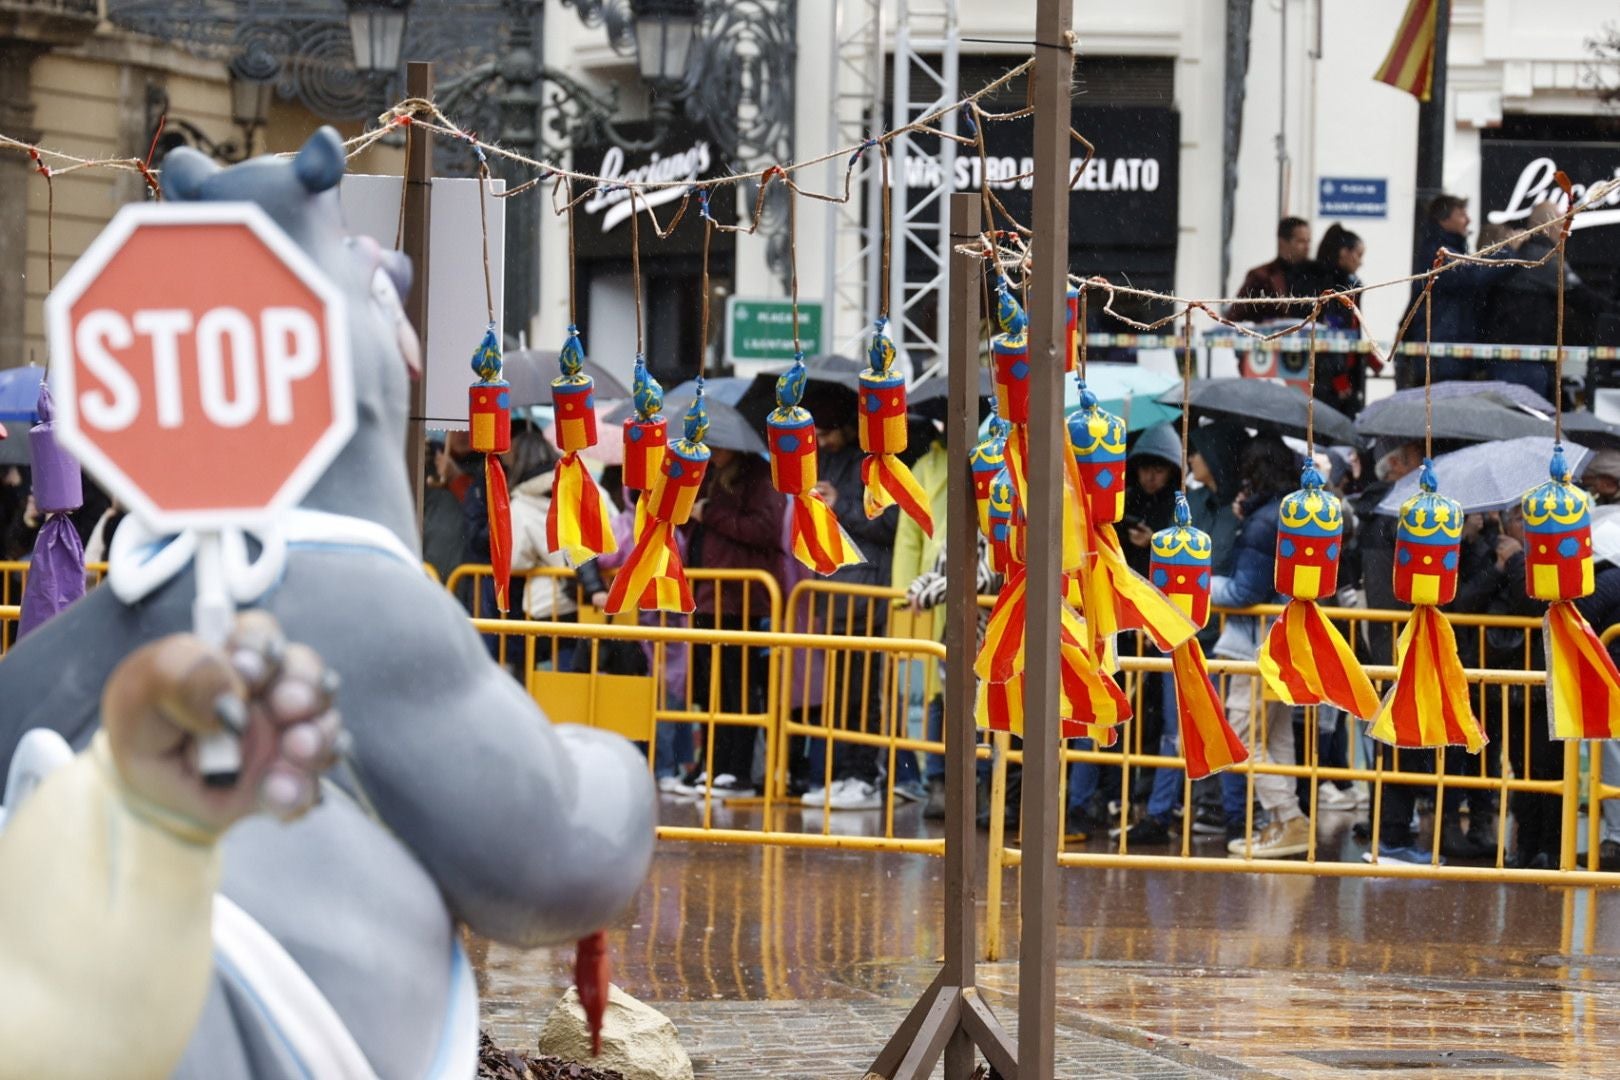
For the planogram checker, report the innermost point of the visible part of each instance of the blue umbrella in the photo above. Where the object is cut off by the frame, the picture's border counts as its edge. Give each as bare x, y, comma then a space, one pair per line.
1489, 476
1128, 391
19, 392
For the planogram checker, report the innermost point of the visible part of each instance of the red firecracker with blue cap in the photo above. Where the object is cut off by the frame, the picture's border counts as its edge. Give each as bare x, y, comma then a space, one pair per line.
1117, 597
1306, 661
578, 523
817, 539
882, 426
1072, 313
1180, 568
652, 576
489, 423
1009, 355
1428, 705
646, 434
1583, 686
986, 461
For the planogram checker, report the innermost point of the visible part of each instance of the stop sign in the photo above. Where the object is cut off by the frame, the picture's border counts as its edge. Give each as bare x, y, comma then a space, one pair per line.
200, 364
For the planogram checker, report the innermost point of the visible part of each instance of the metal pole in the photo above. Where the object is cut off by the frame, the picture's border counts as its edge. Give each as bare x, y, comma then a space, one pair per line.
1431, 147
418, 189
1037, 963
961, 619
520, 130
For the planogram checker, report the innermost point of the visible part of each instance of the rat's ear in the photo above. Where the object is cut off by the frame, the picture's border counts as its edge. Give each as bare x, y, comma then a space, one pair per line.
319, 165
184, 172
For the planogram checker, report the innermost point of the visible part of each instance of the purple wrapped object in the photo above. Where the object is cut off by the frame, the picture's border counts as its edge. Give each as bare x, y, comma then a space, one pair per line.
58, 484
56, 572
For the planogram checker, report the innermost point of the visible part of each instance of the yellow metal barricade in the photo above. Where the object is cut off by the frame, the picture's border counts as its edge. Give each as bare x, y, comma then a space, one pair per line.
779, 822
1508, 717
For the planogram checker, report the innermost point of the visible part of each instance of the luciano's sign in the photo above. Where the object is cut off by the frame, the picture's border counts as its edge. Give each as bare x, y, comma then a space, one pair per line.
1518, 174
603, 226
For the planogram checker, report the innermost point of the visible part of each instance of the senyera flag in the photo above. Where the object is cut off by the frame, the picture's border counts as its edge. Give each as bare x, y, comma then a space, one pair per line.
1409, 64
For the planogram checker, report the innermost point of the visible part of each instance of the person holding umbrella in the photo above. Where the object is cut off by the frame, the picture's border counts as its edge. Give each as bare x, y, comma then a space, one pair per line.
736, 524
856, 769
1270, 470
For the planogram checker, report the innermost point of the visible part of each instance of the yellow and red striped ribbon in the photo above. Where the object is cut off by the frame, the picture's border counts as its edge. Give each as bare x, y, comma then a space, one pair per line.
1306, 661
1429, 704
818, 540
1583, 686
578, 523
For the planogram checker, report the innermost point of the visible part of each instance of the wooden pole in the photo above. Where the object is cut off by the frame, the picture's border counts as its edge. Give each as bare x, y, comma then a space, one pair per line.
418, 191
1037, 955
961, 619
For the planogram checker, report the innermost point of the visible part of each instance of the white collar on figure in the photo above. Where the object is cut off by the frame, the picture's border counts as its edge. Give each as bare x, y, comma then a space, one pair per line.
141, 560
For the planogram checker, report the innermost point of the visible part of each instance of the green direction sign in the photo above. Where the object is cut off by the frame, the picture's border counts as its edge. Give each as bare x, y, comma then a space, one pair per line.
763, 329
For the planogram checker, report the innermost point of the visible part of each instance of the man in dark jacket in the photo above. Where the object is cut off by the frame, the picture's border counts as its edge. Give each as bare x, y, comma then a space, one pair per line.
1289, 274
1459, 294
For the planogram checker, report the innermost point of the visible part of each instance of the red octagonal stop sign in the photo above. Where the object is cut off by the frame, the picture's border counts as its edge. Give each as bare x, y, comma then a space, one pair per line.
200, 364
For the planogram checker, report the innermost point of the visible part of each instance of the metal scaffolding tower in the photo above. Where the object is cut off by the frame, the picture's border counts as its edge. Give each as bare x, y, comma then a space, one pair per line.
925, 80
855, 86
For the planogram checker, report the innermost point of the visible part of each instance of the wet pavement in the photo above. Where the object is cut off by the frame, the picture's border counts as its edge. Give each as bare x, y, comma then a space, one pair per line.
797, 963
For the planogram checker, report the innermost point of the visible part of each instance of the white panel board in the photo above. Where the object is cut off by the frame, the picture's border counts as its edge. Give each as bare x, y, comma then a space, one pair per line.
457, 308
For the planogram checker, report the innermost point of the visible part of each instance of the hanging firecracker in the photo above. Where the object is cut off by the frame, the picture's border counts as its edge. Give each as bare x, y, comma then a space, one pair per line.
1180, 568
1429, 704
1118, 598
1009, 354
882, 428
986, 461
818, 540
652, 576
1306, 661
1091, 703
646, 434
578, 523
998, 522
1583, 686
489, 416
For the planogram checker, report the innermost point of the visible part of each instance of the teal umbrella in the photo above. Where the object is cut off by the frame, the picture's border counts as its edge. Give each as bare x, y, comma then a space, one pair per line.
1128, 391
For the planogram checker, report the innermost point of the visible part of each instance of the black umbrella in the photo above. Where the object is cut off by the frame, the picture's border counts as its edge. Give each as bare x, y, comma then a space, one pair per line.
1589, 431
1510, 394
832, 392
728, 430
1476, 418
530, 372
932, 397
1262, 404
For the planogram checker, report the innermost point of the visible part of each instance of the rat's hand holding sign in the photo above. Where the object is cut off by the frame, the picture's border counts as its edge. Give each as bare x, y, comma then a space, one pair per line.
112, 932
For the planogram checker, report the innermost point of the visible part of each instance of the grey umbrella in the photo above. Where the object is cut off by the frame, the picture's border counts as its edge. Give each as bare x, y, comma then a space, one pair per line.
1262, 404
14, 448
1510, 394
727, 428
932, 397
1489, 476
1475, 418
1589, 431
530, 372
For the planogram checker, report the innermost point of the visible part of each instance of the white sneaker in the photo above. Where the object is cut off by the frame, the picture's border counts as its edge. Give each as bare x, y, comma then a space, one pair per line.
726, 786
1363, 797
855, 795
692, 787
817, 795
670, 784
1329, 796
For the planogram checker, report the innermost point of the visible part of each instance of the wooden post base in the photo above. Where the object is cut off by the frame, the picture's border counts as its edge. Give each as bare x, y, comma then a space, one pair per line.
953, 1018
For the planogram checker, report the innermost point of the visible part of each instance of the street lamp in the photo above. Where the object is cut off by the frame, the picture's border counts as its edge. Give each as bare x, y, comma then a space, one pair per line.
251, 73
664, 32
378, 31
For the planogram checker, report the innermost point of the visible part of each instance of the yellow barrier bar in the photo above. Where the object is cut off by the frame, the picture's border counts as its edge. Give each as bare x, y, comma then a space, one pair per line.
805, 840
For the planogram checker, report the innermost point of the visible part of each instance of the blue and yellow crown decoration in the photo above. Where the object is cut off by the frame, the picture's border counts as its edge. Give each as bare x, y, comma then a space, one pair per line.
1097, 441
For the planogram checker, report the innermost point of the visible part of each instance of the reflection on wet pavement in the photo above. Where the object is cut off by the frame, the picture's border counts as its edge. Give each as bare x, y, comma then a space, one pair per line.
1248, 969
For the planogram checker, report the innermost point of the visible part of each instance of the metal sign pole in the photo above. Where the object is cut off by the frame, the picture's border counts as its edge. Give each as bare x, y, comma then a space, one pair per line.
1037, 955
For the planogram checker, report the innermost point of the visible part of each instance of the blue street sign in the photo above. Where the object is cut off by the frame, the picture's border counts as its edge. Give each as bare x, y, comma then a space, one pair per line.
1344, 196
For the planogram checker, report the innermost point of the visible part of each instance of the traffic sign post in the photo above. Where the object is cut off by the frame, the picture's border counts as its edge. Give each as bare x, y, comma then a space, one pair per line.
200, 366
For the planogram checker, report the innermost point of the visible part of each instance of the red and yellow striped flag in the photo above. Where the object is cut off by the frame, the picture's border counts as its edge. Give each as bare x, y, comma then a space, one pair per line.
1409, 65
